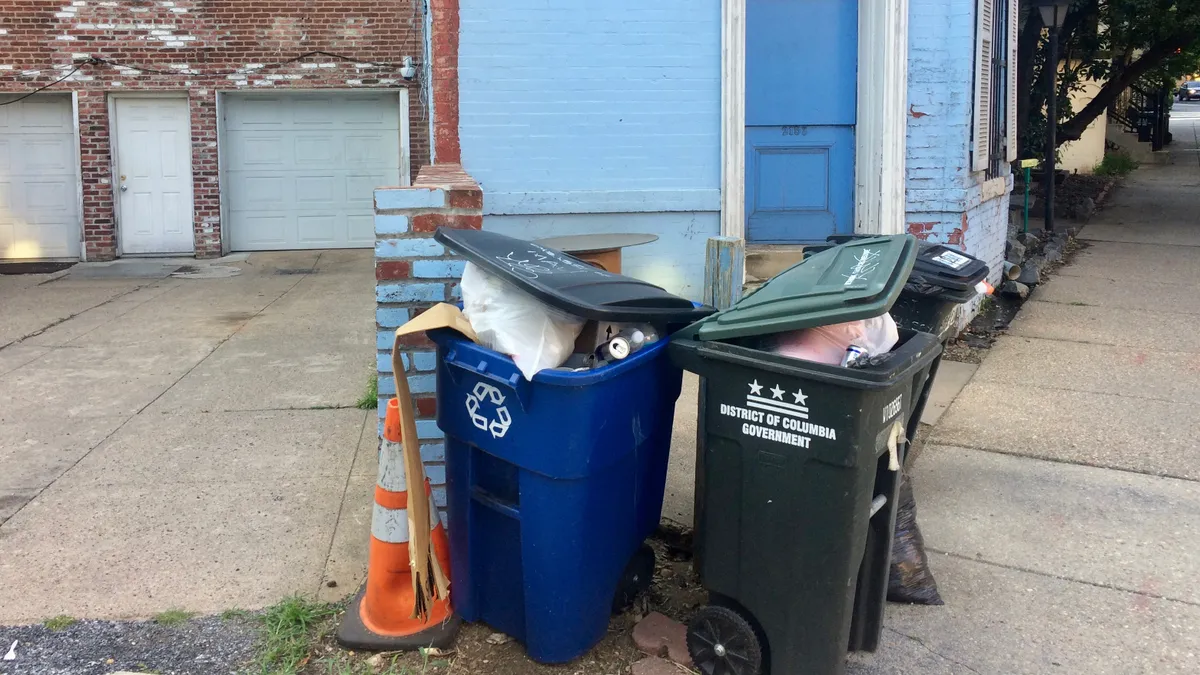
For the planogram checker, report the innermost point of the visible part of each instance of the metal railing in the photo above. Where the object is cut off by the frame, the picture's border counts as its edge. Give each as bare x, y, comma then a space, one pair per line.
1144, 111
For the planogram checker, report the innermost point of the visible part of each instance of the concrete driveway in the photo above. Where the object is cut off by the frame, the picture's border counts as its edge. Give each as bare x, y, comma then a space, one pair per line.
184, 442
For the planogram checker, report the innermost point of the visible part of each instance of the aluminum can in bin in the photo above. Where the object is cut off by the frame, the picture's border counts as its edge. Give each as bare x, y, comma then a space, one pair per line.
853, 354
616, 349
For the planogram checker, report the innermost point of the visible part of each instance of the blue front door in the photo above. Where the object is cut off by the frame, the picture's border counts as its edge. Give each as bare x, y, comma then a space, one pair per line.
801, 82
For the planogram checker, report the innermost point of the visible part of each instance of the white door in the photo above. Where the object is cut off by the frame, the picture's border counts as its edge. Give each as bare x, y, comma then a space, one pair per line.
301, 168
154, 175
39, 178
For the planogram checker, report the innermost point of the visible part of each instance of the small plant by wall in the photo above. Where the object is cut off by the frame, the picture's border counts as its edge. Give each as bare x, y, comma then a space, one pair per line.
1116, 164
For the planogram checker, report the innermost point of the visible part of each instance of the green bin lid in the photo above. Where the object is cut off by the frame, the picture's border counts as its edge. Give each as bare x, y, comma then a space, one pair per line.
856, 280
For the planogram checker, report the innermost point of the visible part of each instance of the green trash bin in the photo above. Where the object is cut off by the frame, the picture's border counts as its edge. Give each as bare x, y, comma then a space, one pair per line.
793, 478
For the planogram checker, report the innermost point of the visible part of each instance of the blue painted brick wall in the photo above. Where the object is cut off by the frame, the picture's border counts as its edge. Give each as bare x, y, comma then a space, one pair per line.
407, 248
438, 269
563, 96
597, 117
940, 96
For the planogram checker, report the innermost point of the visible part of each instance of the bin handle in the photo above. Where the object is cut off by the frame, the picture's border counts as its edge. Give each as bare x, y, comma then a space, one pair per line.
514, 383
495, 503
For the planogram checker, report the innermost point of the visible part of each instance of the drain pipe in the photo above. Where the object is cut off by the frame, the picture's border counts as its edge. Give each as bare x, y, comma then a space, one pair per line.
1011, 271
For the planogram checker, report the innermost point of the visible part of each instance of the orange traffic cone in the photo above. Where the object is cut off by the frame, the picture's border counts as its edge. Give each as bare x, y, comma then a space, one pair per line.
385, 615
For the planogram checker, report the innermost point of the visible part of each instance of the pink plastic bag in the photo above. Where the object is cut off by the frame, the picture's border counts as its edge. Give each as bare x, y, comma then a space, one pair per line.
827, 344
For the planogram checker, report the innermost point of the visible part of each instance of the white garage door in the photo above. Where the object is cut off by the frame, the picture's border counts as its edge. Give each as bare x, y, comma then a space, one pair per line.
39, 175
301, 169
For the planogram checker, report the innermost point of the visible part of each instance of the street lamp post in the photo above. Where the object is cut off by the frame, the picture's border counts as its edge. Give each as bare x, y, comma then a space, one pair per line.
1053, 13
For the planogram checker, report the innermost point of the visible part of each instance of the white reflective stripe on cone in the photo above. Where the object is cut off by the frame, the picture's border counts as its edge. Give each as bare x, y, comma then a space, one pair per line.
390, 525
391, 467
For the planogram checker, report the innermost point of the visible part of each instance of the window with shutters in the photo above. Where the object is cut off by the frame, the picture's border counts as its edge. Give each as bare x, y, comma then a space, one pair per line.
993, 136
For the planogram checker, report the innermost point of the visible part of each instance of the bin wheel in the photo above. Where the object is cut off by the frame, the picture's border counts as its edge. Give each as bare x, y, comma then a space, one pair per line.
722, 642
636, 578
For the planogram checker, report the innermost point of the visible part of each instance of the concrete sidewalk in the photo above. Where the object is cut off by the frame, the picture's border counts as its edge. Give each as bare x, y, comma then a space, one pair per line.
1060, 494
171, 442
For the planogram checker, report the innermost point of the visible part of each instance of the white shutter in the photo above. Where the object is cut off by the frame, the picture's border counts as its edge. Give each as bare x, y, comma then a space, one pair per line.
1010, 124
981, 127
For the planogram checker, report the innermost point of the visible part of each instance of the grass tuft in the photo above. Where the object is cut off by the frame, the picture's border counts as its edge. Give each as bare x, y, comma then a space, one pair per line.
370, 397
235, 614
288, 632
172, 617
60, 622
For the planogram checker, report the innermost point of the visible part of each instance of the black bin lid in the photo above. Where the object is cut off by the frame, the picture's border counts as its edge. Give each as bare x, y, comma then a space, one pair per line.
949, 267
567, 283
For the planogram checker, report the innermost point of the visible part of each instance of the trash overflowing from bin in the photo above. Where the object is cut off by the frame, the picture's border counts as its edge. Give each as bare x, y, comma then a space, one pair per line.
554, 476
844, 344
513, 322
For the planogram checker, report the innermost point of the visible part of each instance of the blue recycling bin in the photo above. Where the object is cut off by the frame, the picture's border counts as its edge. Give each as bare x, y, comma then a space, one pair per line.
552, 487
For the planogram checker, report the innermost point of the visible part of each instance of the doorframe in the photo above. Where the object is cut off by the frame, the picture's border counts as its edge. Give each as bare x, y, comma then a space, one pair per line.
114, 153
733, 118
402, 93
880, 117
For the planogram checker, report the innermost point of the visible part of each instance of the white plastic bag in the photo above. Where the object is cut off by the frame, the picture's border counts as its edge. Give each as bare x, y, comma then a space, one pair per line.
879, 334
512, 322
827, 344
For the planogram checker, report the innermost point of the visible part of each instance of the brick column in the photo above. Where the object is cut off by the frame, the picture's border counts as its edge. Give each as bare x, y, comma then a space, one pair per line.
412, 273
443, 41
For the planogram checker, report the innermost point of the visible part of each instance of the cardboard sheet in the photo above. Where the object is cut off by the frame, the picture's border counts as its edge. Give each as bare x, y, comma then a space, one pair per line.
442, 315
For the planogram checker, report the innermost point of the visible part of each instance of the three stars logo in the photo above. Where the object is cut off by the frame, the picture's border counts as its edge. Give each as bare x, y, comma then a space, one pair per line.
797, 407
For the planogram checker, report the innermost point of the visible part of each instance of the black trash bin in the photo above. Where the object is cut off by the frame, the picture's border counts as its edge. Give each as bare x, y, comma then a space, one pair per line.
942, 278
792, 466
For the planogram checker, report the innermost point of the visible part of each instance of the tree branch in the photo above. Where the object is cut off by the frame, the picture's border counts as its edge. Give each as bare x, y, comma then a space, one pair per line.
1072, 129
1032, 80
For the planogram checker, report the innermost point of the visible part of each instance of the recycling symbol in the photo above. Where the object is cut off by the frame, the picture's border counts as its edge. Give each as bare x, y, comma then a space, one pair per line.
500, 420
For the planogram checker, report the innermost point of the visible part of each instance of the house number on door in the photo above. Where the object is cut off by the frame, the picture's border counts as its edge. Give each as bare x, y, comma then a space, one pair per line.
793, 130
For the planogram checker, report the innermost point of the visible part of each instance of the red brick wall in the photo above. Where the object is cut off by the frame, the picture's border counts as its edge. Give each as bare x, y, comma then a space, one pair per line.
444, 57
203, 47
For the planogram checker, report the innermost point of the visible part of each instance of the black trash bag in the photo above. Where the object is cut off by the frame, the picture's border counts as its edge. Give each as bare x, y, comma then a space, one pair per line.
919, 284
909, 578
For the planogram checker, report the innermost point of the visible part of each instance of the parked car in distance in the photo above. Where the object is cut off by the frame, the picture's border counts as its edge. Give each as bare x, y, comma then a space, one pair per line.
1188, 91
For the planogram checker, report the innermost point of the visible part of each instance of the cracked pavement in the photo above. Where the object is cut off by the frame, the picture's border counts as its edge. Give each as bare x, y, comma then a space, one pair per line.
184, 443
